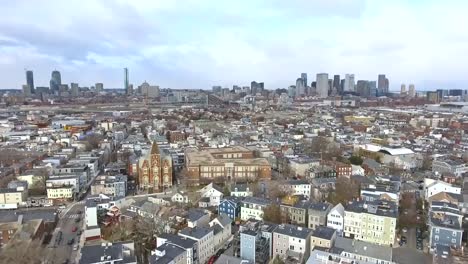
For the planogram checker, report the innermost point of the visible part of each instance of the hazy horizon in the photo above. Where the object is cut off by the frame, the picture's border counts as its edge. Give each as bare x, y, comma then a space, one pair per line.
197, 44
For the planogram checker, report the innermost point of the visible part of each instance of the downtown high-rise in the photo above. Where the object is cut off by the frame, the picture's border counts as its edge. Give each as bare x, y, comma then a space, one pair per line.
55, 82
126, 82
30, 81
349, 83
322, 85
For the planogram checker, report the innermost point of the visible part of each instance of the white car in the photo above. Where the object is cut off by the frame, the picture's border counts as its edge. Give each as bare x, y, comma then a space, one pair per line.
75, 247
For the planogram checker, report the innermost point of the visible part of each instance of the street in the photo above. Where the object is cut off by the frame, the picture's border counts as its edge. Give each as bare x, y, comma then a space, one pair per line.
59, 250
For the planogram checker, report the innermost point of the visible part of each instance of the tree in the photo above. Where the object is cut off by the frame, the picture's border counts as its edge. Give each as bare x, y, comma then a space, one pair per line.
24, 252
277, 260
406, 201
92, 141
321, 146
272, 213
356, 160
276, 191
226, 191
345, 191
426, 162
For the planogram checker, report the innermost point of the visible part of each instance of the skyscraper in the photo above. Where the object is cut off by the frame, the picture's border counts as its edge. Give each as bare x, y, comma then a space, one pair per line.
362, 87
336, 84
403, 89
381, 84
126, 82
387, 85
30, 80
322, 85
256, 87
292, 91
304, 79
411, 91
26, 90
300, 87
372, 88
99, 87
75, 89
349, 83
55, 82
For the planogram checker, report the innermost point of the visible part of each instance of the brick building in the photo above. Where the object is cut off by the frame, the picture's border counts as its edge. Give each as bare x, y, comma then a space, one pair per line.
155, 170
218, 165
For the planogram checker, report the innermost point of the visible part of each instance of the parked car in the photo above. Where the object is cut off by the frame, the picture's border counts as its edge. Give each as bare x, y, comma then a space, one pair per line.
404, 230
79, 232
212, 260
77, 220
75, 247
74, 229
71, 241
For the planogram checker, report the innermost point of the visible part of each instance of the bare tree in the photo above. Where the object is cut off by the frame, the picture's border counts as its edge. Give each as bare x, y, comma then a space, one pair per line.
345, 191
23, 252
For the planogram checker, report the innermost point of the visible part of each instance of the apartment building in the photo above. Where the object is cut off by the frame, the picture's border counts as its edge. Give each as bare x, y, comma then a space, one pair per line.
373, 222
335, 218
113, 185
290, 241
317, 214
253, 208
204, 238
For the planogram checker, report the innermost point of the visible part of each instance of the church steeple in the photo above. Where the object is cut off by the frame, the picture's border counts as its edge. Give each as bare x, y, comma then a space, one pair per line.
154, 148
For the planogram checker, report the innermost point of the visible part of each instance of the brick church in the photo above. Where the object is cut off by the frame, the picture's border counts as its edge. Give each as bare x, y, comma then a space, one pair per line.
155, 170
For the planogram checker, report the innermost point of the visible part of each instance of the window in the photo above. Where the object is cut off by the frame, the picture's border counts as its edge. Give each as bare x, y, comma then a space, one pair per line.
454, 241
454, 233
436, 238
437, 230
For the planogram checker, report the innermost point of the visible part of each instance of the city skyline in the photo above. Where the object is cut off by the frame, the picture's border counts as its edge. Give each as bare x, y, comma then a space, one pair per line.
228, 46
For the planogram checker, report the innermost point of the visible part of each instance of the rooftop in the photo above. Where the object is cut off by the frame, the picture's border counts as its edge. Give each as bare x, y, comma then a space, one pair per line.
196, 232
363, 248
324, 232
293, 231
196, 157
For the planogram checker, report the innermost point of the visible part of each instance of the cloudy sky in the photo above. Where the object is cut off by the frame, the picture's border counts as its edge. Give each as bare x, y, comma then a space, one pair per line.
200, 43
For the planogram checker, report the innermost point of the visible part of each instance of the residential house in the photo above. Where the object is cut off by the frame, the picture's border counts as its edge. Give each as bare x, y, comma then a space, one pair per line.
255, 241
113, 185
168, 254
212, 194
373, 222
297, 213
445, 225
456, 167
204, 238
323, 237
433, 187
230, 206
11, 198
253, 207
190, 246
335, 218
197, 217
346, 250
317, 214
290, 241
298, 187
221, 230
241, 190
120, 252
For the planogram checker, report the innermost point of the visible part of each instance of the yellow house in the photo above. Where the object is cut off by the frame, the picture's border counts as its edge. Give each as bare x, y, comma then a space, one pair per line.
65, 192
12, 196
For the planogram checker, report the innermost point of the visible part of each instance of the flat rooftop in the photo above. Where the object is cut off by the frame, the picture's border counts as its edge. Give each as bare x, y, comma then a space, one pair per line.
195, 157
